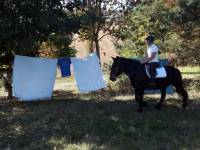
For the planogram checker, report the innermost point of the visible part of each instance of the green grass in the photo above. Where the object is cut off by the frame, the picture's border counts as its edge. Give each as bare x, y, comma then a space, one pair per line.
92, 124
101, 120
190, 69
191, 77
191, 72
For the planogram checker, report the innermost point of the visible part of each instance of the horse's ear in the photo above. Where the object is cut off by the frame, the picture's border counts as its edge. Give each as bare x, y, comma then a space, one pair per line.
113, 58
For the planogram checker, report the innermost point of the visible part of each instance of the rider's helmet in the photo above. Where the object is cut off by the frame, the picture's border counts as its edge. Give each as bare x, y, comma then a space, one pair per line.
150, 38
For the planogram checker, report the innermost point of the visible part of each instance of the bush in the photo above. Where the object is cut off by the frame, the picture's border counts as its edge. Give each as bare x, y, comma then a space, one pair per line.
192, 84
122, 85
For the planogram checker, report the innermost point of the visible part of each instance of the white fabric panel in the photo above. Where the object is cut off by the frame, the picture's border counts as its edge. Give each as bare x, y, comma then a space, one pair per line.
160, 72
88, 73
33, 78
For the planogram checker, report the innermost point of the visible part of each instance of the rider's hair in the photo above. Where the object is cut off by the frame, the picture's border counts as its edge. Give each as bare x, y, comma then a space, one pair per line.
150, 38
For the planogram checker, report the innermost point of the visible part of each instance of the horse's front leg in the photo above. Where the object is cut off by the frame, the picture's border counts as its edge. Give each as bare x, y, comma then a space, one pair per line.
137, 99
163, 95
139, 94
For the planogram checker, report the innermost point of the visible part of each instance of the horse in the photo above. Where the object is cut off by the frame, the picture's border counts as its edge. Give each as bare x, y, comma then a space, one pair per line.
140, 81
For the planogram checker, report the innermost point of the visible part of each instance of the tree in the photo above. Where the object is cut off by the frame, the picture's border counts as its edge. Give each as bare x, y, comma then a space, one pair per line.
186, 19
100, 15
150, 17
175, 25
25, 24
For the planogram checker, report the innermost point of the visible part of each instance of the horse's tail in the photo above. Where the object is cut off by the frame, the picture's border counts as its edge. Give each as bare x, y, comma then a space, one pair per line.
177, 81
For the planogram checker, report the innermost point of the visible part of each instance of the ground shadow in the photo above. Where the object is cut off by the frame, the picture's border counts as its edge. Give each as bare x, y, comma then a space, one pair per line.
100, 124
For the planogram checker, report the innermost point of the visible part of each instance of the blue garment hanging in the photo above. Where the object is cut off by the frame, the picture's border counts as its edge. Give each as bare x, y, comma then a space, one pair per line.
64, 64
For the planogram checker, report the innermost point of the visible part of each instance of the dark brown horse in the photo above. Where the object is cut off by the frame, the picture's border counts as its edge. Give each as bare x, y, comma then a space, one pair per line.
140, 81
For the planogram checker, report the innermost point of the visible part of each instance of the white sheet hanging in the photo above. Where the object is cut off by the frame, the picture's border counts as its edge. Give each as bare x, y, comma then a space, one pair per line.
88, 73
33, 78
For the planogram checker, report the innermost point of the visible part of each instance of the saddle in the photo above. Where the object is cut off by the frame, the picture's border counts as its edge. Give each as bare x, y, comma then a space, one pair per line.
160, 72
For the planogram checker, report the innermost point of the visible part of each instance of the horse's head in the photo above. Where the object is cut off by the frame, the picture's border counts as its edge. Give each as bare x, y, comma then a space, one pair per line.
123, 65
115, 69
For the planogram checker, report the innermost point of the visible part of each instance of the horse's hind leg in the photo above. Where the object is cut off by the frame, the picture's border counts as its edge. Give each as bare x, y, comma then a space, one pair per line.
178, 83
163, 95
183, 93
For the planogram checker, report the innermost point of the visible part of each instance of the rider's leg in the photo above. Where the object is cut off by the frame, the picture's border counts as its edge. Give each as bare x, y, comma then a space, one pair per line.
152, 69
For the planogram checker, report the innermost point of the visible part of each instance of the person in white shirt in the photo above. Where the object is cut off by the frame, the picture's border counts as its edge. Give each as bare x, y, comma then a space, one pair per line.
151, 56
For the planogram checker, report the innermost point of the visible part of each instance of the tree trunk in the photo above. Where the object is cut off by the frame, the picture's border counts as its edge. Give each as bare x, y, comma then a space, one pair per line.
91, 46
97, 49
6, 74
9, 82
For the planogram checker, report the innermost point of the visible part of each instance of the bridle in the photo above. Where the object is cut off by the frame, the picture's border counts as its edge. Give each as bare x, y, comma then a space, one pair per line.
117, 68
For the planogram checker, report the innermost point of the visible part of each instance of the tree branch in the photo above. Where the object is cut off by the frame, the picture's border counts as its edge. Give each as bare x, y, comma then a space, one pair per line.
103, 36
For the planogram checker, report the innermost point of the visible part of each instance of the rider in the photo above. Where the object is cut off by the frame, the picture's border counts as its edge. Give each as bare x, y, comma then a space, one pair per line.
151, 56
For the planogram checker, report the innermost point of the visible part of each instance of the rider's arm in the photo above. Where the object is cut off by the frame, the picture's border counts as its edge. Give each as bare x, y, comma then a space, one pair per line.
146, 60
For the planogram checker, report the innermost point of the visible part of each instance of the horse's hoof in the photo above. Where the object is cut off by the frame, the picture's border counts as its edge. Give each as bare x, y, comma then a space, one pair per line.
157, 107
140, 110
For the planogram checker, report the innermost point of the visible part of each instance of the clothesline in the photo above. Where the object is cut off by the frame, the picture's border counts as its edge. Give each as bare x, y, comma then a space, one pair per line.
34, 78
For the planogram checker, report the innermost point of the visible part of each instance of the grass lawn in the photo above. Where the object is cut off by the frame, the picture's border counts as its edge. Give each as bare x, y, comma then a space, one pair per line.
101, 121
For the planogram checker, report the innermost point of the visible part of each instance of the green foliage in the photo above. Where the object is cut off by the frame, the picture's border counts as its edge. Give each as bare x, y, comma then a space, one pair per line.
92, 22
146, 18
176, 29
129, 49
25, 25
57, 46
61, 43
186, 22
99, 16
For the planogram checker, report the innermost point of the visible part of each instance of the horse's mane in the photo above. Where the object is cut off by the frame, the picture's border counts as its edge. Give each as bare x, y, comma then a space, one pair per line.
129, 61
127, 65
